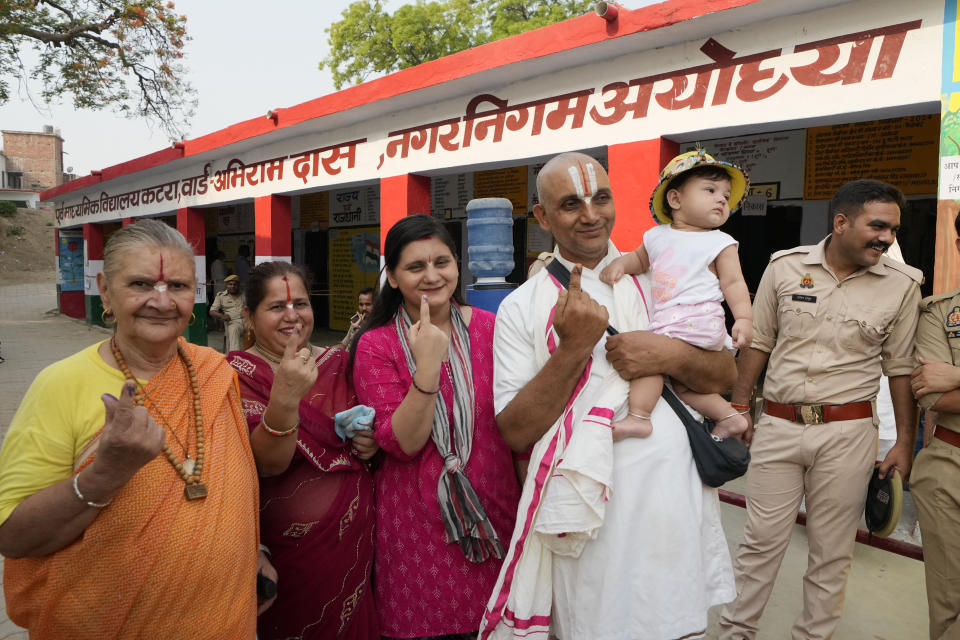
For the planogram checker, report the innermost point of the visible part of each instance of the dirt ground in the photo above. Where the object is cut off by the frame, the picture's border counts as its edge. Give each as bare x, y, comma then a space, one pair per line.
26, 247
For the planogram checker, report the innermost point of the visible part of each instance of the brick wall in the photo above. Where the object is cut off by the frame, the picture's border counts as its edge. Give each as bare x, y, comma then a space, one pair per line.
38, 155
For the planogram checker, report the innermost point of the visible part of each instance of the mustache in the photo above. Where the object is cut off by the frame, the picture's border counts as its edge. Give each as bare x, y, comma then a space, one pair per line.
882, 246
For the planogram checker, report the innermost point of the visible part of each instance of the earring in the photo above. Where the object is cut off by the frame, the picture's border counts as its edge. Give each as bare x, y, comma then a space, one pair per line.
106, 317
193, 319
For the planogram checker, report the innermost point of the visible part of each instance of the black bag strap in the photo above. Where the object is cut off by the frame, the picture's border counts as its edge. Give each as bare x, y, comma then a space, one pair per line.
562, 274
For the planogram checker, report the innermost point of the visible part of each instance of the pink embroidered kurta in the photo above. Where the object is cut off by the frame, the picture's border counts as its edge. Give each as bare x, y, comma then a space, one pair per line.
424, 585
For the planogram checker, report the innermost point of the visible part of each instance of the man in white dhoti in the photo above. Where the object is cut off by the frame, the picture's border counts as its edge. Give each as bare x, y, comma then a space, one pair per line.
614, 541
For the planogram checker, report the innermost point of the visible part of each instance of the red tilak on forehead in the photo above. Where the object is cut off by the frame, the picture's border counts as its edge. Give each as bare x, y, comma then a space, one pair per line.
287, 282
583, 176
160, 278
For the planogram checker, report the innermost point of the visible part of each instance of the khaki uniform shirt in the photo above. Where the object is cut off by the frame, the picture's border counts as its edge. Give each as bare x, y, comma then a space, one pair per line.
230, 305
825, 337
938, 338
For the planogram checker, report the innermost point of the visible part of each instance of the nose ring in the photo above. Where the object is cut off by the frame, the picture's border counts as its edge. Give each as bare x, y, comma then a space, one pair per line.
173, 305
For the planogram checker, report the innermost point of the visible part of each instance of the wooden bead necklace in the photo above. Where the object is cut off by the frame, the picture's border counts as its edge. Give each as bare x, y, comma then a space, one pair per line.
188, 469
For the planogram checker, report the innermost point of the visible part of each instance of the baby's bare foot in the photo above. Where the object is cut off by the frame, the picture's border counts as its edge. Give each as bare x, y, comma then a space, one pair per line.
730, 427
631, 427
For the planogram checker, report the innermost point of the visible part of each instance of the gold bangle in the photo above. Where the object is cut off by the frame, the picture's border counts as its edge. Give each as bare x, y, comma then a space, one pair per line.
274, 432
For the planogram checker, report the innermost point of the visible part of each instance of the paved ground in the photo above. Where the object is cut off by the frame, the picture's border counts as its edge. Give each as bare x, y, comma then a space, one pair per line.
885, 600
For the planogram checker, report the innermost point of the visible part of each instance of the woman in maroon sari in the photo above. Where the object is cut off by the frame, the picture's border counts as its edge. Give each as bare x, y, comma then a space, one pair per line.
316, 492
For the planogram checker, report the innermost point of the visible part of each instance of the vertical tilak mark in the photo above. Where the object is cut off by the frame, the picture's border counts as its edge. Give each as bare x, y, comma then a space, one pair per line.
286, 281
588, 192
161, 278
592, 178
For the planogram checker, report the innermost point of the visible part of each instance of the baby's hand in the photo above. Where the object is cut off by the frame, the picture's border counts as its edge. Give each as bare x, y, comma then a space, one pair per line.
742, 333
612, 272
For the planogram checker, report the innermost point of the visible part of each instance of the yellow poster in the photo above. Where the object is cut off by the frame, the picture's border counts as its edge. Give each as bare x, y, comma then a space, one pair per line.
901, 151
354, 264
508, 183
315, 210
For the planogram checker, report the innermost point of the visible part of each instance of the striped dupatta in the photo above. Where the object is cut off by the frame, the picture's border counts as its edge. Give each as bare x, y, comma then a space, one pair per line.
463, 515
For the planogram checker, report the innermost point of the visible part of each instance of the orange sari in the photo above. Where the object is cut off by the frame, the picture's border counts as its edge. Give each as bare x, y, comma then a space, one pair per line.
153, 564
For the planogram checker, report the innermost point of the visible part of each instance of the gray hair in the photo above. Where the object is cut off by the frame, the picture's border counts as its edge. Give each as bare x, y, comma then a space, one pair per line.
139, 235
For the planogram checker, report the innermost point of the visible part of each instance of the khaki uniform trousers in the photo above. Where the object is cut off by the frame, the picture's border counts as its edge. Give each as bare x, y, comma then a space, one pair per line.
935, 485
234, 334
830, 464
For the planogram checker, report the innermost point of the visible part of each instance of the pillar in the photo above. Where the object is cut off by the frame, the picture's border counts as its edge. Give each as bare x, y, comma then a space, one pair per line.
634, 173
272, 226
126, 222
191, 223
92, 265
946, 269
71, 300
401, 196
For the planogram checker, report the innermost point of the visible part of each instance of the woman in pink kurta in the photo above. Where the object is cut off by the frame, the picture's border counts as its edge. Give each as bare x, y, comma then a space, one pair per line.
440, 518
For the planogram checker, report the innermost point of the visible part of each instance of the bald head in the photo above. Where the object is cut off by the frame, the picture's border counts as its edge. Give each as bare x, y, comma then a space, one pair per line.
581, 164
576, 206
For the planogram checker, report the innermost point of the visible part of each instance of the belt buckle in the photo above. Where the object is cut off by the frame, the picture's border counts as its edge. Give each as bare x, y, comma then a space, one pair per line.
812, 413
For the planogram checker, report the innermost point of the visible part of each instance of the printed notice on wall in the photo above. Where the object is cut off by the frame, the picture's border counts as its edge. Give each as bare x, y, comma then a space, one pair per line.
354, 264
950, 178
767, 158
315, 210
901, 151
503, 183
449, 195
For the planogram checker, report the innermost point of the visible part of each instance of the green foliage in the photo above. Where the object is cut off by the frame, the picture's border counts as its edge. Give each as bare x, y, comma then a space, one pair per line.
7, 209
104, 53
16, 230
368, 41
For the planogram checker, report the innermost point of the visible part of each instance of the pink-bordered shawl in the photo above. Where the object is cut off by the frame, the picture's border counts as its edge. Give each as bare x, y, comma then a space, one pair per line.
569, 479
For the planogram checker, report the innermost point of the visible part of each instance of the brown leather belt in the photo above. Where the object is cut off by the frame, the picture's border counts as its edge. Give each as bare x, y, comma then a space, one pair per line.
950, 437
818, 413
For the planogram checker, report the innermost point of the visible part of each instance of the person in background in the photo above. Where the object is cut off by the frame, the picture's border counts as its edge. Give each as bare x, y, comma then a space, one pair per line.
316, 491
446, 488
117, 514
364, 306
242, 263
218, 272
228, 307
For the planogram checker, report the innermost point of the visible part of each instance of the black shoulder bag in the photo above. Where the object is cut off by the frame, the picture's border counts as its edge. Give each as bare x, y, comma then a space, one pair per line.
718, 460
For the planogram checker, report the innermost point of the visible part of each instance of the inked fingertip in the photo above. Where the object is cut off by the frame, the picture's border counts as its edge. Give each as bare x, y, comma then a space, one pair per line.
107, 396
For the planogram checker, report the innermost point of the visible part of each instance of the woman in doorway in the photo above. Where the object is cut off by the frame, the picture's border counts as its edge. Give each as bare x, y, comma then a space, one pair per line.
446, 492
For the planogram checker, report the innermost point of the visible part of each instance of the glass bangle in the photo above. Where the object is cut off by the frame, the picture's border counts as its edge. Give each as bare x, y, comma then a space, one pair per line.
274, 432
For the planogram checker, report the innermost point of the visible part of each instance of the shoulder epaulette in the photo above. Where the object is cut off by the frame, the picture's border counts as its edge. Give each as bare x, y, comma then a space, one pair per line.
786, 252
931, 300
911, 272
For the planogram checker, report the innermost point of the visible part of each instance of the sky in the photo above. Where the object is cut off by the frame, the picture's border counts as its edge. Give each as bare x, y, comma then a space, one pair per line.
242, 60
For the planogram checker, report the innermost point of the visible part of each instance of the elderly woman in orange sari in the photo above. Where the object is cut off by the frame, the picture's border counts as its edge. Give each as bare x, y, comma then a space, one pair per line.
133, 516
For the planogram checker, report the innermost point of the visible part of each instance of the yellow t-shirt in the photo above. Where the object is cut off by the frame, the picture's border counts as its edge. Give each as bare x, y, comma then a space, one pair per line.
58, 416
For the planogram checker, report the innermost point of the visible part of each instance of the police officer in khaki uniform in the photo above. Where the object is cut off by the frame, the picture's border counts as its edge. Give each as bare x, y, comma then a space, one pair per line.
935, 483
828, 317
228, 306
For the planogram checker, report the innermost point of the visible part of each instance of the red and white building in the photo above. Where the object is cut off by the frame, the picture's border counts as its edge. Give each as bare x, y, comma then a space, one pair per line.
805, 95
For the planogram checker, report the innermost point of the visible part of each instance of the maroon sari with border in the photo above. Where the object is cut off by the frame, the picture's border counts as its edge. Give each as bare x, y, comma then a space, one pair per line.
317, 518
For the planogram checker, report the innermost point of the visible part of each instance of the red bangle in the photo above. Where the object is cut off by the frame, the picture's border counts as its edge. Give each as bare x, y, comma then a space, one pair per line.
739, 406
